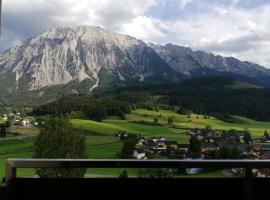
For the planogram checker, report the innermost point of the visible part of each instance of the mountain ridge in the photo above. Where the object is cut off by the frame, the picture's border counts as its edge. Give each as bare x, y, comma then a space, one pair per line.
73, 59
187, 61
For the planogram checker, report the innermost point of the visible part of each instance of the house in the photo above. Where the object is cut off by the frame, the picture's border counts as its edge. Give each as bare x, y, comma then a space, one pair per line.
162, 139
242, 134
139, 154
5, 117
266, 138
192, 133
156, 145
220, 142
184, 147
173, 144
26, 123
255, 146
140, 143
265, 147
209, 147
209, 136
265, 155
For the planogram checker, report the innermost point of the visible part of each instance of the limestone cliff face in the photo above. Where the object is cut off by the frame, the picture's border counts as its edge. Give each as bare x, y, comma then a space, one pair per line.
186, 61
61, 55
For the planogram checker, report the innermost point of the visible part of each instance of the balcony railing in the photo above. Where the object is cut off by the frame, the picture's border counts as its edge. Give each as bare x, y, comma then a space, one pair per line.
248, 165
13, 164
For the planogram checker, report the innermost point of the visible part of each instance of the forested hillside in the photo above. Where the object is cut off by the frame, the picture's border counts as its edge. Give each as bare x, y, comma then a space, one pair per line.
206, 96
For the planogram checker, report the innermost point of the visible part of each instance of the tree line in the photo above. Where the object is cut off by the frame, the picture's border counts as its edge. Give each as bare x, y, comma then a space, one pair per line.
92, 108
207, 96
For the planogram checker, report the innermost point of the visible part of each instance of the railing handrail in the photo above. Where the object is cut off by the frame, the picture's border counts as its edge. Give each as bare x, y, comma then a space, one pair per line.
13, 163
131, 163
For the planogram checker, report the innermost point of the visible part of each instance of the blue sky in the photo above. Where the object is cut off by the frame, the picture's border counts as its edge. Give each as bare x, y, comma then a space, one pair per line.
239, 28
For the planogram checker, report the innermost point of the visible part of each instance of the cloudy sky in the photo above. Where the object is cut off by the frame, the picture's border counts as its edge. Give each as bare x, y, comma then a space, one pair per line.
239, 28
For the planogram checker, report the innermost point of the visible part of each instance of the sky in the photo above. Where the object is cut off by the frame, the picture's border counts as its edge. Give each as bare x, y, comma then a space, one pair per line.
238, 28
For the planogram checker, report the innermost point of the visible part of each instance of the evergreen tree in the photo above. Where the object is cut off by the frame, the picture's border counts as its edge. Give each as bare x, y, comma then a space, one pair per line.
127, 149
247, 137
194, 144
170, 120
124, 174
3, 131
58, 140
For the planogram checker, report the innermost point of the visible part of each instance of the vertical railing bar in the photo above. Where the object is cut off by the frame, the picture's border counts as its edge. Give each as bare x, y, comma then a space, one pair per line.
10, 172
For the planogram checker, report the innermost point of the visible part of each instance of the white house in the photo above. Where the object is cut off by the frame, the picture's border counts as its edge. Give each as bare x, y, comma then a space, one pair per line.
26, 123
5, 117
192, 171
139, 154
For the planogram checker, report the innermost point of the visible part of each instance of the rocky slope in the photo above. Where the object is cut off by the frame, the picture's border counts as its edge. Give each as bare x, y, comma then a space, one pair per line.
190, 62
61, 55
65, 60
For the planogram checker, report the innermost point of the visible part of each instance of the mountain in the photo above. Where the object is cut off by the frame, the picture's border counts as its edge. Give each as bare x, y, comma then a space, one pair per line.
199, 63
65, 60
69, 59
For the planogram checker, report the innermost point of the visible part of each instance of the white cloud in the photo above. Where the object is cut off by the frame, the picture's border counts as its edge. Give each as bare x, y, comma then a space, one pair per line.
225, 30
143, 28
184, 3
213, 26
27, 17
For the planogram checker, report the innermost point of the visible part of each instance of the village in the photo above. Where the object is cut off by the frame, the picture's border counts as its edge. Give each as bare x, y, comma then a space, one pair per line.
16, 125
204, 144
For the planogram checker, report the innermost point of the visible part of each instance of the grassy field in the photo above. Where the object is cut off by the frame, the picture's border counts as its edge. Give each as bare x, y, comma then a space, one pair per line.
243, 85
102, 144
24, 131
176, 131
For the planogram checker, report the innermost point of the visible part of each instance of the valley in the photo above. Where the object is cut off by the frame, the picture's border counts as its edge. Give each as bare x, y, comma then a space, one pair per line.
103, 144
129, 99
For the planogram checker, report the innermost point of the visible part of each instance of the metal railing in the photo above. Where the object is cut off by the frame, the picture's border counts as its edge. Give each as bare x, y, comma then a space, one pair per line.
248, 165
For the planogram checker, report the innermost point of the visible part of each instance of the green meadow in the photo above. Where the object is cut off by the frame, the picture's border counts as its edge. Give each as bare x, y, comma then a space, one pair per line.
102, 144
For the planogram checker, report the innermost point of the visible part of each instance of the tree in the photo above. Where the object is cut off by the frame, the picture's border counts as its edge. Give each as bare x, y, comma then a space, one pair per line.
128, 148
235, 154
156, 120
224, 153
124, 174
9, 122
227, 153
122, 115
155, 173
57, 139
183, 111
194, 144
170, 120
266, 134
3, 131
247, 137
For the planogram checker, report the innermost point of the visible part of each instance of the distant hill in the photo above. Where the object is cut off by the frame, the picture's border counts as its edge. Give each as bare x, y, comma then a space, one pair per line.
207, 96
